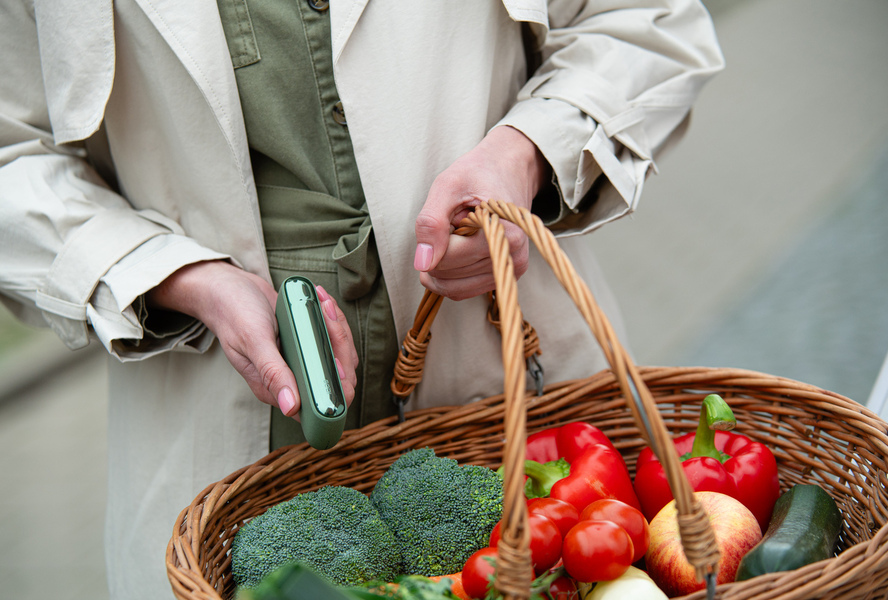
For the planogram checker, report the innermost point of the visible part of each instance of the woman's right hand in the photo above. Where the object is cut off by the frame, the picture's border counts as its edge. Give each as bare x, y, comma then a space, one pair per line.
238, 307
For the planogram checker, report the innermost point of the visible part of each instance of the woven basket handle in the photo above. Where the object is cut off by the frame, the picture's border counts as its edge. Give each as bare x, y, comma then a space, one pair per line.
514, 571
411, 359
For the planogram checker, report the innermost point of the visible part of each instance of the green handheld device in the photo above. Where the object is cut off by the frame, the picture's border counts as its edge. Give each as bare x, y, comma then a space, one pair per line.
305, 345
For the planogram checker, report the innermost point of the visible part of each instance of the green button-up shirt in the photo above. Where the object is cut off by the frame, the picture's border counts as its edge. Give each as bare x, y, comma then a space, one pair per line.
314, 215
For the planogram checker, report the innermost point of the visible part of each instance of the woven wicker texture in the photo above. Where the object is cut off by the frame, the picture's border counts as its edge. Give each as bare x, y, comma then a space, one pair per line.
817, 437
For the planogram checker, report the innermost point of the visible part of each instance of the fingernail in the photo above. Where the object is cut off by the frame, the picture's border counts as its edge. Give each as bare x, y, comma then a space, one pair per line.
423, 258
322, 293
286, 400
339, 368
330, 310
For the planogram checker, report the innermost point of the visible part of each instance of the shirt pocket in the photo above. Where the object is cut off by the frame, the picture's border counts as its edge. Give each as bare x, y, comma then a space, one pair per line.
239, 34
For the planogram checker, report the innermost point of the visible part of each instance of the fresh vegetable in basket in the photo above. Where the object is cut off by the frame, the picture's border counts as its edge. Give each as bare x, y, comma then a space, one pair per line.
576, 463
440, 511
564, 514
566, 441
597, 551
634, 584
336, 531
597, 545
804, 529
295, 581
480, 570
413, 587
627, 517
545, 542
714, 460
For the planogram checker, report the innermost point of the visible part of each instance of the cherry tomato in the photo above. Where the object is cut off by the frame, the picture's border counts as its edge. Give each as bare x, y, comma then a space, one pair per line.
478, 571
597, 551
627, 517
545, 541
563, 588
563, 514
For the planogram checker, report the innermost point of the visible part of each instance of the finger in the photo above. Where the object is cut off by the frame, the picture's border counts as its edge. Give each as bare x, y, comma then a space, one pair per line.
341, 320
466, 251
463, 253
434, 223
467, 259
342, 341
459, 289
267, 373
348, 383
481, 267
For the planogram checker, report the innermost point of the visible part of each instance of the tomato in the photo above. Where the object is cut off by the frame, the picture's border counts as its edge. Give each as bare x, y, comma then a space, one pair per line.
478, 571
597, 551
563, 514
627, 517
495, 535
545, 541
563, 588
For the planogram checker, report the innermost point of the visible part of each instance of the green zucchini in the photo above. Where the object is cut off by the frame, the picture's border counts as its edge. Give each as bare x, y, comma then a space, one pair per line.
803, 529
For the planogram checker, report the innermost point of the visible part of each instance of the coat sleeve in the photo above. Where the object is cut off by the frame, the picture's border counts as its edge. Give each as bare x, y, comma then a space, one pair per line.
74, 254
615, 87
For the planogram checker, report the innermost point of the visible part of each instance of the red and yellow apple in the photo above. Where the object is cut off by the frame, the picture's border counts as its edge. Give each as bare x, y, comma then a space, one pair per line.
736, 532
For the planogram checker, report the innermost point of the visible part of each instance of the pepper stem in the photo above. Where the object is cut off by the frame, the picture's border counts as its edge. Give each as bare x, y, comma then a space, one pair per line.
542, 476
715, 415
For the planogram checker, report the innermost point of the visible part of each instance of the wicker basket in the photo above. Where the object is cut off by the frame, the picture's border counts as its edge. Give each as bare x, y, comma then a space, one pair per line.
816, 435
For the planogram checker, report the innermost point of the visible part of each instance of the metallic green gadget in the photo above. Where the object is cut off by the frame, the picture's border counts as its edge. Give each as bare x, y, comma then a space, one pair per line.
305, 345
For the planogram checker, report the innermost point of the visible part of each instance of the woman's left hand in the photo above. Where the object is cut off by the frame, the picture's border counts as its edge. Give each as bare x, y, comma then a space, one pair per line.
506, 166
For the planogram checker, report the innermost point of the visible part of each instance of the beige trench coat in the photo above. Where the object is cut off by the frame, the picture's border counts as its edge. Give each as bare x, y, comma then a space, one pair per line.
123, 156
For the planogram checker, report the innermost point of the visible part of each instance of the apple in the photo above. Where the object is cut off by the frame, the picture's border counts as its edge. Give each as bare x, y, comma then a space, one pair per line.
736, 532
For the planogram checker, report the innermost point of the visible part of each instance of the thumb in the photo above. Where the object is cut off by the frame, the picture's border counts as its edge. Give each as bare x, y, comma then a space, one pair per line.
432, 228
280, 382
288, 401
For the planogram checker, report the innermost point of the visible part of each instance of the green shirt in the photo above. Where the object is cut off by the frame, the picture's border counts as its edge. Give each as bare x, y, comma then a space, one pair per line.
314, 215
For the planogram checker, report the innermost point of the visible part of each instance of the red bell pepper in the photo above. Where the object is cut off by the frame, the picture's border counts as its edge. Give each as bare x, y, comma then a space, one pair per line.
567, 441
714, 461
576, 463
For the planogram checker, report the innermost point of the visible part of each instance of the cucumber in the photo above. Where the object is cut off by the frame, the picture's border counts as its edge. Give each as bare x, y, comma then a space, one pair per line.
803, 529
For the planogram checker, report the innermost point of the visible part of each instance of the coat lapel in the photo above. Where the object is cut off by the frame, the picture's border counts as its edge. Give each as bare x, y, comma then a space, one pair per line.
77, 52
77, 49
194, 33
344, 15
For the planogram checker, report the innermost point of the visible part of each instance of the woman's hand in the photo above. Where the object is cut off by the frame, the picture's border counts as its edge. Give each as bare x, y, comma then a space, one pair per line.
238, 307
506, 166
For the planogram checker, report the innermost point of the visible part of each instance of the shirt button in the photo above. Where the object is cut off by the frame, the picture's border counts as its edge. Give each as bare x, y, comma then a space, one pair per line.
319, 5
339, 113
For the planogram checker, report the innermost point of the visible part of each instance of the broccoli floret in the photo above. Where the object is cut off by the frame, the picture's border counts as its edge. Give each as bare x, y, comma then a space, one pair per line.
440, 512
336, 531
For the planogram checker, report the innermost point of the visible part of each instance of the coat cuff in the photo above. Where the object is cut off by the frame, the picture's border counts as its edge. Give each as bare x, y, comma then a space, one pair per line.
120, 317
598, 178
110, 261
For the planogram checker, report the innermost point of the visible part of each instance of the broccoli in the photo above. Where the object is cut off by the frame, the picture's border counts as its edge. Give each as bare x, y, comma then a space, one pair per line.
440, 512
335, 531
